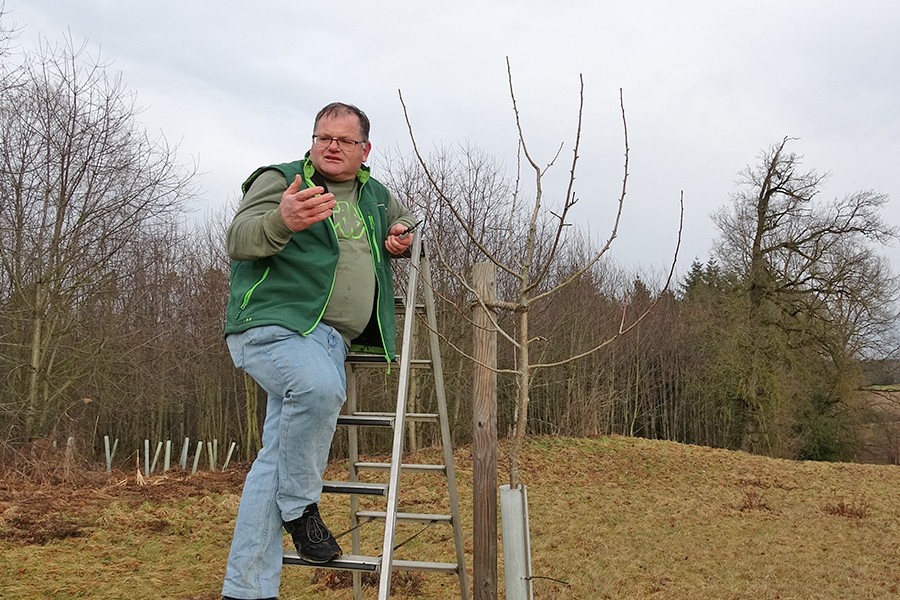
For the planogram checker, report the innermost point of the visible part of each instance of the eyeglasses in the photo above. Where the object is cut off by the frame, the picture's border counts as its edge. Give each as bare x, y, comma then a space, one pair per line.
323, 141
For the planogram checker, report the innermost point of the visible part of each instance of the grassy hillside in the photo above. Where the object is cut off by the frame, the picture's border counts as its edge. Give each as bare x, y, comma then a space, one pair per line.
610, 518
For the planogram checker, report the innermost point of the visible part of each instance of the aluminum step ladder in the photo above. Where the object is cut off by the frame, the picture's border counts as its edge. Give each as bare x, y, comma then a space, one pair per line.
385, 564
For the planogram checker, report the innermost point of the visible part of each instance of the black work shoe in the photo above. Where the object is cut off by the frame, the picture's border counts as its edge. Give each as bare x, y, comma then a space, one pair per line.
314, 542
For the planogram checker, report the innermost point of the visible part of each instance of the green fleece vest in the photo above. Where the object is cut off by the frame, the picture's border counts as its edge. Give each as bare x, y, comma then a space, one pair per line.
292, 288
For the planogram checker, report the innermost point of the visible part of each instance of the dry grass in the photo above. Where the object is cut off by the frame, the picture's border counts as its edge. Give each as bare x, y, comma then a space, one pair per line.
610, 518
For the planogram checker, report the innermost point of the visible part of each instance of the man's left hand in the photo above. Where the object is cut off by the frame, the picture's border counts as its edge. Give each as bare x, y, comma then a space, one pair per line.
395, 244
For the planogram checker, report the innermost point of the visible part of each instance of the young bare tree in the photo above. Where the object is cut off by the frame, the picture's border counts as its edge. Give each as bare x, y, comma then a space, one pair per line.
533, 239
485, 202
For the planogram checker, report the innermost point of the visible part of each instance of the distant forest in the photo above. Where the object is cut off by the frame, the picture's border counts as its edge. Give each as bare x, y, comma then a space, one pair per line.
881, 372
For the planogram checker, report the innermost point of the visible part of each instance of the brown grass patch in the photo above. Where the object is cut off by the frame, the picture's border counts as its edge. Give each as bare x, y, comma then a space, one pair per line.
613, 517
406, 584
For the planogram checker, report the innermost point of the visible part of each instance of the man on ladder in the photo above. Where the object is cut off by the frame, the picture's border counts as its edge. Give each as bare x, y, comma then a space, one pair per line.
309, 277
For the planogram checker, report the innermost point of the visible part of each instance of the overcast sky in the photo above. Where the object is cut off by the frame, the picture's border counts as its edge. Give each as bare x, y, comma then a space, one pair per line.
707, 87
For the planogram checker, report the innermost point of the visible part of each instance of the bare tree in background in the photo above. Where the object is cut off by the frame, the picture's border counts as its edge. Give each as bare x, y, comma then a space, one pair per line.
816, 291
85, 198
530, 242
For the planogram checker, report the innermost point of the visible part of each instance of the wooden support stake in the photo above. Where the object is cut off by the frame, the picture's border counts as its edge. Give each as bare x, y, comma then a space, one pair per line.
484, 422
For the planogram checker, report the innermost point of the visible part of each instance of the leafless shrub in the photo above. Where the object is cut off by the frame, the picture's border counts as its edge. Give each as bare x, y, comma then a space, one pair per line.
857, 508
753, 500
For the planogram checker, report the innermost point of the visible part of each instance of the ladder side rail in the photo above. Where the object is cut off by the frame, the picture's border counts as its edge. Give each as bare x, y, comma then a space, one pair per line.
353, 455
387, 558
447, 441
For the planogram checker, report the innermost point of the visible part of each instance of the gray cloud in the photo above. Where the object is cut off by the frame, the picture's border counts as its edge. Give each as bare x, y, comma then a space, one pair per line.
707, 86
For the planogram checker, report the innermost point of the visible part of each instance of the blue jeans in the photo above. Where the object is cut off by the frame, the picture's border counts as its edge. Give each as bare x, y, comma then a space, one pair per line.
306, 385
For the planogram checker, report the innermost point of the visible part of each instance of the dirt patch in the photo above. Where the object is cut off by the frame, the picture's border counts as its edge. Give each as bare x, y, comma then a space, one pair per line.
39, 512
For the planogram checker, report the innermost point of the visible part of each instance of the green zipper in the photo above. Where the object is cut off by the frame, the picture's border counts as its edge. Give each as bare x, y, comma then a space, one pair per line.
374, 245
249, 293
333, 278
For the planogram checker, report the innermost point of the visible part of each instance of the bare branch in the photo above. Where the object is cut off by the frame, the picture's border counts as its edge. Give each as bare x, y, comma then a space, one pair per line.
447, 202
570, 199
615, 227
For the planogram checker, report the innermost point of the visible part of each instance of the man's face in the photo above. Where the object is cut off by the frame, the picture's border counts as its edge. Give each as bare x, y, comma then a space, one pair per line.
331, 161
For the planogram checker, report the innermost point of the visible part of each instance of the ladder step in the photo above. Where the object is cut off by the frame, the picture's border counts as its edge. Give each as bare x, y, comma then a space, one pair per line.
400, 305
367, 420
383, 419
421, 417
349, 562
419, 565
353, 562
409, 467
409, 517
355, 487
363, 359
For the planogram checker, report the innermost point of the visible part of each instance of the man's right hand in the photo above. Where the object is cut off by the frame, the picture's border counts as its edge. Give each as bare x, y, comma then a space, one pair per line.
302, 208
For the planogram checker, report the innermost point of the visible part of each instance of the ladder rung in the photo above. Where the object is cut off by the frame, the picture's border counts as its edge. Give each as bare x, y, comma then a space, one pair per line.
349, 562
367, 420
412, 468
363, 359
420, 565
353, 562
409, 517
425, 417
355, 487
400, 304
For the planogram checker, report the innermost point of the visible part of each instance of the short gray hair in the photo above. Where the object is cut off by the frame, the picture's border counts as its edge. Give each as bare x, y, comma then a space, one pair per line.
339, 109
